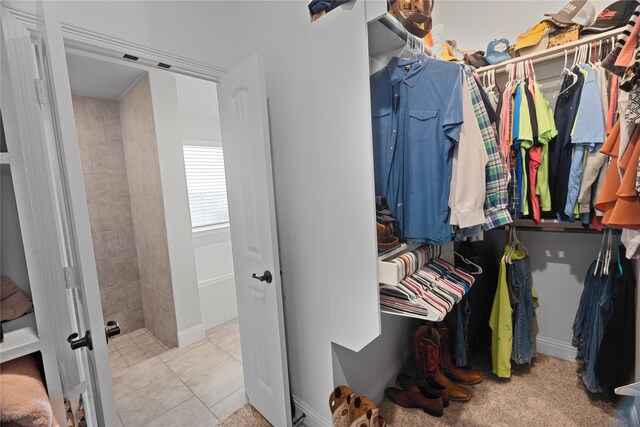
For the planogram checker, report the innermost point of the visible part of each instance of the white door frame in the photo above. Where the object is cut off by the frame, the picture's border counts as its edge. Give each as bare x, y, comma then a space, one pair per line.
112, 49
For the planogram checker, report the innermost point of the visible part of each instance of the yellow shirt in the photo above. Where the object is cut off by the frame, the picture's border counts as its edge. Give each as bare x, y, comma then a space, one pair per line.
500, 320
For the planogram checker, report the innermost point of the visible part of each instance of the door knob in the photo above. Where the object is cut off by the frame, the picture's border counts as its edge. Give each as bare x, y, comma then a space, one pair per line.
266, 277
112, 329
76, 342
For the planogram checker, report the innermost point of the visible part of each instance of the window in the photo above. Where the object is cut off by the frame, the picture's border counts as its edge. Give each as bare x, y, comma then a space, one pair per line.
204, 167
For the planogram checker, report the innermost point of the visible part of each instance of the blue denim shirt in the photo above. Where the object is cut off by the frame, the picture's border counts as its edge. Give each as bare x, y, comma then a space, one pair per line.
416, 107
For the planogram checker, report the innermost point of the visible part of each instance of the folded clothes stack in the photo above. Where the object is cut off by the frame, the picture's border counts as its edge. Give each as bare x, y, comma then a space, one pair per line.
23, 395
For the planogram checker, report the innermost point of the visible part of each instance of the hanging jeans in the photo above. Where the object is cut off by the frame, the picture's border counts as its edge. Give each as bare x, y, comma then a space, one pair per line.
601, 312
582, 326
461, 350
524, 312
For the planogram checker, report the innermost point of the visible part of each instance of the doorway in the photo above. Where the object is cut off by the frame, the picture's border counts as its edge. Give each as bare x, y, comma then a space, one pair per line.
162, 371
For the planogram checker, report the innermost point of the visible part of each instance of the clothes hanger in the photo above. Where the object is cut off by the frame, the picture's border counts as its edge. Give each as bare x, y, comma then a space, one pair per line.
577, 55
466, 261
599, 258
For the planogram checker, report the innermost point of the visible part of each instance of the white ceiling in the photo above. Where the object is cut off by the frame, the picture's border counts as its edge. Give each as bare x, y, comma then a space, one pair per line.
100, 79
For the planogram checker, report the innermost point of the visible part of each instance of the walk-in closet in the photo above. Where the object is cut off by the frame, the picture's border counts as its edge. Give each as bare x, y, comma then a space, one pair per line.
320, 213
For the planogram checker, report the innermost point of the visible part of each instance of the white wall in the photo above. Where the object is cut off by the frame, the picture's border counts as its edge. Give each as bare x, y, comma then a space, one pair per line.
200, 124
176, 207
473, 24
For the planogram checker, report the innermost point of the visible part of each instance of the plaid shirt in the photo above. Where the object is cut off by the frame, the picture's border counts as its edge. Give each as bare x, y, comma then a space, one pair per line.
497, 193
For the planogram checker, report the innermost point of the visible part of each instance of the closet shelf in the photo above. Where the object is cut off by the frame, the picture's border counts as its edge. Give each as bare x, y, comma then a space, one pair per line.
4, 159
552, 53
20, 338
552, 225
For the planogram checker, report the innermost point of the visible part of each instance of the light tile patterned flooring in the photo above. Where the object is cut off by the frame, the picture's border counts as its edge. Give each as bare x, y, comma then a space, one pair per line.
198, 385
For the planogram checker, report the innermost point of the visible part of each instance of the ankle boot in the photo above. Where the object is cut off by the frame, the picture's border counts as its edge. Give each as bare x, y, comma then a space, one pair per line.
426, 344
364, 413
339, 402
465, 376
407, 381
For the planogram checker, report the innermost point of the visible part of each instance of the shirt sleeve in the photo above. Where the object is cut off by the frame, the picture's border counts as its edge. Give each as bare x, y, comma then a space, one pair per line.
453, 116
467, 195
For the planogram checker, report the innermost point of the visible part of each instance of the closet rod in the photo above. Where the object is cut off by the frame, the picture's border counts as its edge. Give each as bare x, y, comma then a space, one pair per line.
396, 27
552, 53
551, 226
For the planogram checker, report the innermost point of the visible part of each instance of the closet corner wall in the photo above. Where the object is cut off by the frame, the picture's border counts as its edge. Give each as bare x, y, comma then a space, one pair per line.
367, 344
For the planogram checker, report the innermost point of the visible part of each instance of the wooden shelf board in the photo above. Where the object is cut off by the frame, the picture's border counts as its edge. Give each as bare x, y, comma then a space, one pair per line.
20, 338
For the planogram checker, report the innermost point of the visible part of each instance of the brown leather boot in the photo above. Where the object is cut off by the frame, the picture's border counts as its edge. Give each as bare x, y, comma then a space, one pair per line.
339, 402
465, 376
426, 344
416, 397
407, 381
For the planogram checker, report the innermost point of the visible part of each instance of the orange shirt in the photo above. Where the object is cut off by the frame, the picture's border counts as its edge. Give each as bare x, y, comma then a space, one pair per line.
618, 199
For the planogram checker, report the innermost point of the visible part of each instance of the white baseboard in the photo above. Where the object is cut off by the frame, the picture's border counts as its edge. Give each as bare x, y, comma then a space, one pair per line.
312, 417
555, 348
190, 335
376, 393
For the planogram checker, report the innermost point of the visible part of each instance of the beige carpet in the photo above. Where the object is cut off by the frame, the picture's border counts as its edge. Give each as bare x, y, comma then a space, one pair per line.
246, 417
546, 393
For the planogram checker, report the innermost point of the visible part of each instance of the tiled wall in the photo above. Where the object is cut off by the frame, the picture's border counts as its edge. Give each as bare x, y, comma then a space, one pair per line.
106, 184
141, 156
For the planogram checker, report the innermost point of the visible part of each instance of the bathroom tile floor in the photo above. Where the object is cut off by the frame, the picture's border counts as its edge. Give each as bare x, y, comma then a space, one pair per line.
198, 385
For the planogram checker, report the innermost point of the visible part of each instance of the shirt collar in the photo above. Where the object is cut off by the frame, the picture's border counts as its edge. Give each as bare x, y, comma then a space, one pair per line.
397, 73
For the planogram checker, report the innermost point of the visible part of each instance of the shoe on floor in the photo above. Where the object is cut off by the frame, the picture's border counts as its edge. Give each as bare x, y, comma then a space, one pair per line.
466, 376
364, 413
339, 402
426, 343
416, 397
407, 382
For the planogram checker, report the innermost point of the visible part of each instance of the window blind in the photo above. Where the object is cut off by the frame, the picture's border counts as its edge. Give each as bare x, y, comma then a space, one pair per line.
206, 185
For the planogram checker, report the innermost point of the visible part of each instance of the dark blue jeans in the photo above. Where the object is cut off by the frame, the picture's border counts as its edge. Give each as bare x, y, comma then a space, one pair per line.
601, 312
523, 350
583, 323
461, 349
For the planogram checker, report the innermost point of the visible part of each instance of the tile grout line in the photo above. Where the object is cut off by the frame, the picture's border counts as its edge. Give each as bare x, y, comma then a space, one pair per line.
189, 388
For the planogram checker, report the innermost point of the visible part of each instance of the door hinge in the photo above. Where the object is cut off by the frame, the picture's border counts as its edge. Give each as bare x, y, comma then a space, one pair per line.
40, 91
70, 278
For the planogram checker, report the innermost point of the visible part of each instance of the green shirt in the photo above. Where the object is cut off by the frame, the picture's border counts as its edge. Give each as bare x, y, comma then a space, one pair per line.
546, 132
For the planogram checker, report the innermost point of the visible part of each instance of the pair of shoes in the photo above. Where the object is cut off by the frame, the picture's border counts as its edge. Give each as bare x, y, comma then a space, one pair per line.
347, 410
425, 394
434, 362
417, 397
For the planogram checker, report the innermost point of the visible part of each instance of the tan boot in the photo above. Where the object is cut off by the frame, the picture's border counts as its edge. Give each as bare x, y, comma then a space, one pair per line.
426, 344
465, 376
364, 413
339, 402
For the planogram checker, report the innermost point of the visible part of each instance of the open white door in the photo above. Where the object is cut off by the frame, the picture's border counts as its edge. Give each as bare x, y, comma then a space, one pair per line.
42, 94
247, 157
